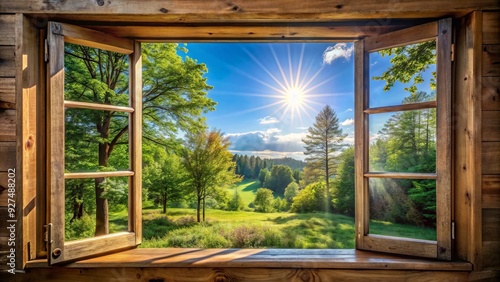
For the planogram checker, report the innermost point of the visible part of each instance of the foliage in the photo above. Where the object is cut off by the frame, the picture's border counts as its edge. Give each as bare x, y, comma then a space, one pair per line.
209, 164
343, 185
290, 192
236, 202
323, 141
280, 205
311, 199
264, 200
279, 178
264, 175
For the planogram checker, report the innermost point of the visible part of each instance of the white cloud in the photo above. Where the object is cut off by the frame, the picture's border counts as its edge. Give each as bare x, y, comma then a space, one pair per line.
339, 50
374, 63
271, 140
268, 120
347, 122
349, 110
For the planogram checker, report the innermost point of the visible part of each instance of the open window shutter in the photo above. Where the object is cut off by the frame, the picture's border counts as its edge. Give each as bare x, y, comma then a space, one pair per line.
440, 248
59, 250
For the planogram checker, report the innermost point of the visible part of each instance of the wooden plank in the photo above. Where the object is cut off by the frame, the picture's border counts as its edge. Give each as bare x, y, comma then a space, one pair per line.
8, 30
491, 27
3, 188
135, 124
491, 192
244, 9
401, 175
406, 36
491, 126
92, 38
254, 258
7, 61
8, 89
491, 60
7, 125
491, 158
310, 32
491, 93
97, 174
95, 106
404, 107
491, 256
8, 155
404, 246
230, 274
491, 225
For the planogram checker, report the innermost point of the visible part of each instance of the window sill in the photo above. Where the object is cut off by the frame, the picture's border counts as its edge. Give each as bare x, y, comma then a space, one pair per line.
261, 258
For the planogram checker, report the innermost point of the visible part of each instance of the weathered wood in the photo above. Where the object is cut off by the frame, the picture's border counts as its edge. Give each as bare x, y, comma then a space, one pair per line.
7, 125
256, 9
7, 61
491, 158
8, 155
491, 192
404, 107
491, 225
405, 36
267, 258
338, 31
135, 124
95, 39
491, 256
4, 181
491, 27
491, 60
491, 126
95, 106
406, 246
8, 89
491, 93
8, 30
467, 147
231, 274
97, 174
401, 175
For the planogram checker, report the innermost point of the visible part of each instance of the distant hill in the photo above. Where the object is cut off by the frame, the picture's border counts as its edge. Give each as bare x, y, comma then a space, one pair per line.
292, 163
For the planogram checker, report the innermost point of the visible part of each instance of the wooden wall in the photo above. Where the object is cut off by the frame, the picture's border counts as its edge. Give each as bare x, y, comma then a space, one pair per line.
490, 75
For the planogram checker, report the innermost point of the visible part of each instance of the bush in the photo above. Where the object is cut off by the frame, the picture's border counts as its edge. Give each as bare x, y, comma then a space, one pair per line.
79, 228
264, 200
291, 191
236, 203
310, 199
280, 205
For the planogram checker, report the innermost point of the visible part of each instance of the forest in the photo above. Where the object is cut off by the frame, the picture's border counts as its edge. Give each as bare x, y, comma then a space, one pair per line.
197, 193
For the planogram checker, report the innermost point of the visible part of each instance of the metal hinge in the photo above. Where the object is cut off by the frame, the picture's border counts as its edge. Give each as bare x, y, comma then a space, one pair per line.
452, 52
46, 50
48, 234
453, 230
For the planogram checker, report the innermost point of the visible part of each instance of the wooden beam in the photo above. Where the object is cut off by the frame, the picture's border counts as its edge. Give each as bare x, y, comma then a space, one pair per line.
95, 106
406, 36
254, 9
403, 107
98, 174
401, 175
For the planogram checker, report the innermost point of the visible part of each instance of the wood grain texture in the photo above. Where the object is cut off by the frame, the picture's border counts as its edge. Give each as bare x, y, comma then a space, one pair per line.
491, 225
8, 155
491, 125
404, 107
401, 175
97, 174
491, 157
491, 60
7, 125
95, 106
491, 256
491, 27
491, 93
255, 9
230, 274
8, 89
7, 30
491, 192
7, 61
265, 258
402, 37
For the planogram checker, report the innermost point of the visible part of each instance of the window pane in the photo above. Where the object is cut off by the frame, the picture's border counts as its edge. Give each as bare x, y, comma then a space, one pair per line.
403, 141
86, 131
390, 66
80, 212
403, 208
95, 76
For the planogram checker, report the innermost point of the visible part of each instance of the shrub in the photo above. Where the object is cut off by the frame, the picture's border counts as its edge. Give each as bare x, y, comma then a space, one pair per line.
291, 191
310, 199
280, 205
236, 202
264, 200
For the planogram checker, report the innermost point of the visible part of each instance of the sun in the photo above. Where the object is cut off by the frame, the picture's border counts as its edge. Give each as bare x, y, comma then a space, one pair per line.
294, 97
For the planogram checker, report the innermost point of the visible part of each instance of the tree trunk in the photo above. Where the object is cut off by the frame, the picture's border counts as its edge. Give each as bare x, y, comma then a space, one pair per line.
78, 203
203, 208
198, 209
101, 215
327, 172
164, 202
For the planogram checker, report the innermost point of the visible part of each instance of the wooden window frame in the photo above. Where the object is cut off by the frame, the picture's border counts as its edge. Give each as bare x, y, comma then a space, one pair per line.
94, 38
58, 250
440, 31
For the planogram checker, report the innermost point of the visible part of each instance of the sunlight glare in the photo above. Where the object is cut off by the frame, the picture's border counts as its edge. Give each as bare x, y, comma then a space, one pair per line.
294, 97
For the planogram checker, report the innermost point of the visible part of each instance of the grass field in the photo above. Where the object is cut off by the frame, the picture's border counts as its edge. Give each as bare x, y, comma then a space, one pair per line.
247, 189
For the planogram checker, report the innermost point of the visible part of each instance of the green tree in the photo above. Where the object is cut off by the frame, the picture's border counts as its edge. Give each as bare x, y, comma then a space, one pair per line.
343, 185
279, 178
236, 202
310, 199
263, 176
264, 200
290, 192
323, 142
174, 96
209, 164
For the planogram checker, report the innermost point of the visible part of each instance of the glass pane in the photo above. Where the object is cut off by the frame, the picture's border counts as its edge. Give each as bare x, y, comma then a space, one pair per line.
95, 140
403, 208
80, 212
397, 74
403, 141
95, 76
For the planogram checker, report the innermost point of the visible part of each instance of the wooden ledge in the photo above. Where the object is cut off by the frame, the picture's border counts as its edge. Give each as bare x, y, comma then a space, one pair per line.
261, 258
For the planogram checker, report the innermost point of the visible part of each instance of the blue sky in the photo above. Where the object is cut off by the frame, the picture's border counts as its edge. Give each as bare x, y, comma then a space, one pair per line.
268, 94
